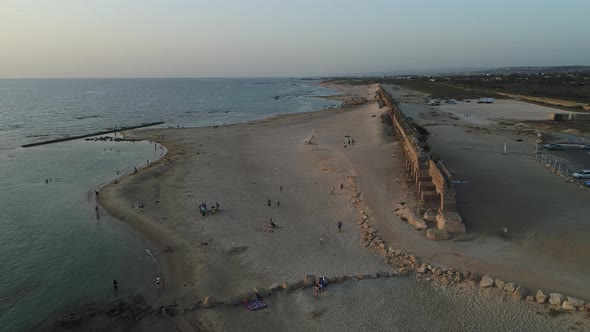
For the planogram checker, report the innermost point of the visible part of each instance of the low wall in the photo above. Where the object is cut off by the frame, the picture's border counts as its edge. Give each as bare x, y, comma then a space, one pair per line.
433, 180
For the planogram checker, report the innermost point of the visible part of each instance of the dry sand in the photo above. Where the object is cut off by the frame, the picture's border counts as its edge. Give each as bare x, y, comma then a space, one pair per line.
231, 252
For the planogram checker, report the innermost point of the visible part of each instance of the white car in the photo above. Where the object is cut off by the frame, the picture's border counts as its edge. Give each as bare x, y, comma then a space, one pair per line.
583, 174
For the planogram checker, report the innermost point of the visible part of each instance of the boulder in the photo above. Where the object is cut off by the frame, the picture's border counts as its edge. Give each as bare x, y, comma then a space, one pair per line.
555, 298
530, 298
234, 300
285, 285
383, 274
568, 306
499, 283
341, 278
437, 234
413, 259
575, 302
422, 269
541, 297
520, 292
262, 292
360, 276
274, 288
209, 302
437, 272
486, 281
450, 222
510, 287
296, 285
308, 280
587, 306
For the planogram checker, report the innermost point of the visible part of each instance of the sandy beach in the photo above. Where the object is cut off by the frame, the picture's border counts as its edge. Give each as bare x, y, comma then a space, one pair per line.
262, 170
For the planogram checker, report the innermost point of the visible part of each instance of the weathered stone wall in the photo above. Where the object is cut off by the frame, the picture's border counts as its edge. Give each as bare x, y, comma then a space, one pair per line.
433, 180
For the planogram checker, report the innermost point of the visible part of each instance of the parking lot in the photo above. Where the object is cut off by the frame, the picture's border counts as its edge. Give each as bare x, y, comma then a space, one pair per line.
568, 160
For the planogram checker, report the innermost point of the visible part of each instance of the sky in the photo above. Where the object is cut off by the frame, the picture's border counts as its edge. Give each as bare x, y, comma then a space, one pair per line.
265, 38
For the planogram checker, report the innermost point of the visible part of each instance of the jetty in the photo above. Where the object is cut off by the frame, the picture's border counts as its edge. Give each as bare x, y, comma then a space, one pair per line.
69, 138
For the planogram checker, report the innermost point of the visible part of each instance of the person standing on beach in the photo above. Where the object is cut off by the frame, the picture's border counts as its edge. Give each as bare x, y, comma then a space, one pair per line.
115, 285
339, 226
268, 202
158, 282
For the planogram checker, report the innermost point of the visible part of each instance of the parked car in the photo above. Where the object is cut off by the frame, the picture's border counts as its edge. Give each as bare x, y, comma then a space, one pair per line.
553, 147
583, 174
587, 183
585, 146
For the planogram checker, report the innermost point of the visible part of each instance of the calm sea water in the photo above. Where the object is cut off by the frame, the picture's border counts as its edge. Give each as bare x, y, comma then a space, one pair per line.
54, 251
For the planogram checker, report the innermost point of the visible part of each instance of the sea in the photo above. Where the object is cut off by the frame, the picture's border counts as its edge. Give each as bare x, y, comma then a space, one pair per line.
56, 251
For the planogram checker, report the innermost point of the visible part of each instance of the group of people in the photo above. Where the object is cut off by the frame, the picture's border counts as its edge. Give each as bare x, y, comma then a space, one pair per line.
139, 205
320, 284
48, 180
203, 208
349, 141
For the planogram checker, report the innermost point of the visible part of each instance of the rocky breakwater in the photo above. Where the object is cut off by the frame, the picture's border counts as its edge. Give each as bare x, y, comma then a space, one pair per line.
436, 205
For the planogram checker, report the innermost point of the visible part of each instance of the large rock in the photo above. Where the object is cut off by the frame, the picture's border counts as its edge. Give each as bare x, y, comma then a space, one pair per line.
274, 288
555, 298
209, 302
499, 283
520, 292
406, 214
437, 234
486, 281
510, 287
285, 285
450, 222
422, 268
568, 306
308, 280
541, 297
260, 291
575, 302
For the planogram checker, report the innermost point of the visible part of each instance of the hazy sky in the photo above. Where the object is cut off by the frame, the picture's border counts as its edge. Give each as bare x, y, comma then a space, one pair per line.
193, 38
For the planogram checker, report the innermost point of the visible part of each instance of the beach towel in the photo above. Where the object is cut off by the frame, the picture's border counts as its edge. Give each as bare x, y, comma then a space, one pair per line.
256, 305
